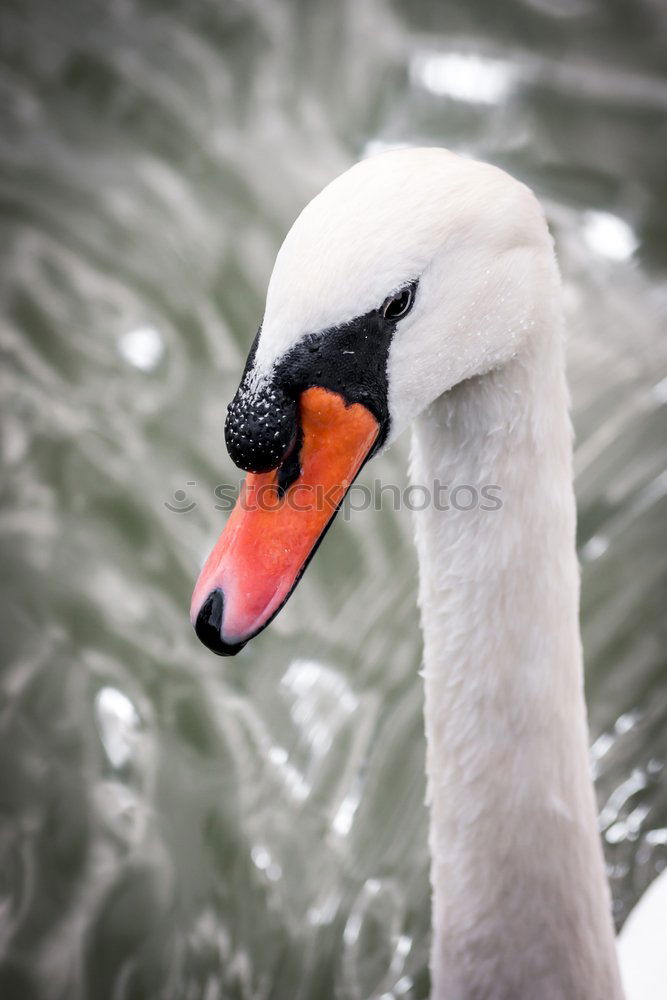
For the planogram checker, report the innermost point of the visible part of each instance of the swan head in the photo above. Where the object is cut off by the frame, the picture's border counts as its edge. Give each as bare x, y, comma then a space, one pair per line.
412, 271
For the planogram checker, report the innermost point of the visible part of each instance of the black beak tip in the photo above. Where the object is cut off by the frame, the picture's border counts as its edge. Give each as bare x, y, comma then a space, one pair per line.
208, 625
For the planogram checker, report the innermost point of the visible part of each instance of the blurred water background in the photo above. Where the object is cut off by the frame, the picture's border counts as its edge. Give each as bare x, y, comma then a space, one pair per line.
173, 825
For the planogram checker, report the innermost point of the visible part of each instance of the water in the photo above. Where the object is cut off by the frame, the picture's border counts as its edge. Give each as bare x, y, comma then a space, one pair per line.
174, 826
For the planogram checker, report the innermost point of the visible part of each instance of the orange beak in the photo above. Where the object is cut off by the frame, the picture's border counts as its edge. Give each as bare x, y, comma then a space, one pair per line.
271, 535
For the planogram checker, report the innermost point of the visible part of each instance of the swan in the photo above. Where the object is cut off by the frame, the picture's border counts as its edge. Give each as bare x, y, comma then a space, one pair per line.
421, 289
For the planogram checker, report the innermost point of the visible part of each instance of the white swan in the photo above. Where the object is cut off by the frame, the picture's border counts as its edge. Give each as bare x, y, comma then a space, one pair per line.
421, 288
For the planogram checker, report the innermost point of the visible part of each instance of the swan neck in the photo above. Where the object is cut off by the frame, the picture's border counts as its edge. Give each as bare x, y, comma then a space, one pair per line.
521, 906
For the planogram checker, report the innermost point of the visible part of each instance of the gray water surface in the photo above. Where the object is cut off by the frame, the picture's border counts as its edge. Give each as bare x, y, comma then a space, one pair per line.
172, 825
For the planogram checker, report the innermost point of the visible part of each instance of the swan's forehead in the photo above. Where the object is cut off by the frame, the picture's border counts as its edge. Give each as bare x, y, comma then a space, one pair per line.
373, 229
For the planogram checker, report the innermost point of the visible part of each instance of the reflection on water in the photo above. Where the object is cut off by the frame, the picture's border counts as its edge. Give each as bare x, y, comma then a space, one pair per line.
177, 826
142, 347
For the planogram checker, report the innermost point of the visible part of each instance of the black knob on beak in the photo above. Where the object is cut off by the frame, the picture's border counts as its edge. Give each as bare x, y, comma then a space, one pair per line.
261, 427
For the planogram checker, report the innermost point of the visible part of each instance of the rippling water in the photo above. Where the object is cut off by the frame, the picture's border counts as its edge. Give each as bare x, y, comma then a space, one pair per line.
173, 826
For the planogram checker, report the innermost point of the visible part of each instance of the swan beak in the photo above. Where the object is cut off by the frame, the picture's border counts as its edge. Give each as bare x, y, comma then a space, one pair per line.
273, 531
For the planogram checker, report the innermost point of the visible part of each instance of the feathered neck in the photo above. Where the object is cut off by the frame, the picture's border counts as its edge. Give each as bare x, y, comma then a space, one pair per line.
521, 906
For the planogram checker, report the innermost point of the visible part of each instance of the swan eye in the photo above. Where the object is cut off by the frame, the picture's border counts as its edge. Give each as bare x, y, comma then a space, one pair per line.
399, 305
